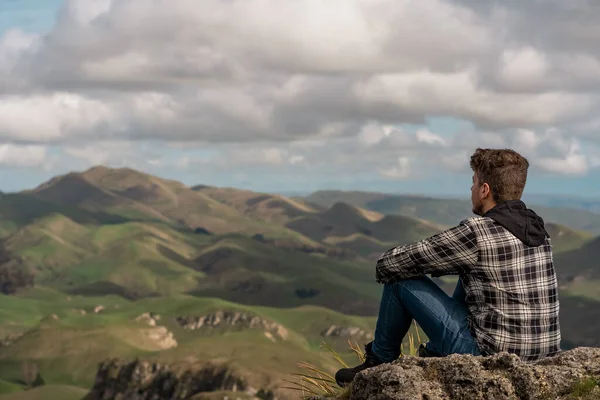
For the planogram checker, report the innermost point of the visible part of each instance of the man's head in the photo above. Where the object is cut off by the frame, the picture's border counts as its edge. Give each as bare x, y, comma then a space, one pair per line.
498, 175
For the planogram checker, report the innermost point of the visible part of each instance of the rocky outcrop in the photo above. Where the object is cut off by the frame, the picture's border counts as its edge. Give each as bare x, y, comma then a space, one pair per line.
574, 374
14, 275
159, 335
351, 332
143, 380
148, 318
233, 319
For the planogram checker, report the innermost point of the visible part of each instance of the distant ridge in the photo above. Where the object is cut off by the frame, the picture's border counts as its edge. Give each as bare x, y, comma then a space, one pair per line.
445, 211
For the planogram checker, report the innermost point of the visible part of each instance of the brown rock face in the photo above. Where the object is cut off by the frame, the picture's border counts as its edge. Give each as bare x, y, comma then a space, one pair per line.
347, 332
232, 319
142, 380
573, 374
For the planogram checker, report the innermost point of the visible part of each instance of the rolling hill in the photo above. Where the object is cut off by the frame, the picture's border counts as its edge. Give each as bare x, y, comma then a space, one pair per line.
138, 259
341, 225
271, 208
124, 195
446, 212
366, 232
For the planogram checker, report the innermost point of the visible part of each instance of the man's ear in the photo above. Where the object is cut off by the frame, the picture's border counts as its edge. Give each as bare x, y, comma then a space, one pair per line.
486, 191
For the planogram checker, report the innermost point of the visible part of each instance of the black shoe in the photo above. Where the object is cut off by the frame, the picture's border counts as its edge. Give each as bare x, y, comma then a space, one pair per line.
423, 352
346, 375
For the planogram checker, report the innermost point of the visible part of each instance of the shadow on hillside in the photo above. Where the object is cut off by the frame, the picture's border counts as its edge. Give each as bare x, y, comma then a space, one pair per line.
105, 288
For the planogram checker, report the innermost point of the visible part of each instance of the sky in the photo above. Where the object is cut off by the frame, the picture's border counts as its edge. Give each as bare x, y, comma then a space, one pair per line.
301, 95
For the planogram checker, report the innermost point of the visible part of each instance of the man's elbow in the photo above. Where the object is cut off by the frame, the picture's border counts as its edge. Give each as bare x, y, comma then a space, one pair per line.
380, 273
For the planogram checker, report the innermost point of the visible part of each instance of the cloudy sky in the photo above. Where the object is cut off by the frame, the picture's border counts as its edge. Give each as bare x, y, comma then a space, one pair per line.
300, 95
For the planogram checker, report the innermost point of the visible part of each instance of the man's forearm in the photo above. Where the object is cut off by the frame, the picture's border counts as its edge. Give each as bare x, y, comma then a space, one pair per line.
446, 253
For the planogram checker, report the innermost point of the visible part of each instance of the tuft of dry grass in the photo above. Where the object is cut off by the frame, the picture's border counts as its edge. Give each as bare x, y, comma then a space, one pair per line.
316, 383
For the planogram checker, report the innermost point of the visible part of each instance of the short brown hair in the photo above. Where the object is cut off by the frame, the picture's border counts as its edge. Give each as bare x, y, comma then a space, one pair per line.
504, 170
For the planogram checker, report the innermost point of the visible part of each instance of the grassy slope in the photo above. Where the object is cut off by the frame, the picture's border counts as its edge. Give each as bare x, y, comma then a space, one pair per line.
62, 392
145, 255
142, 259
250, 272
9, 387
67, 350
20, 209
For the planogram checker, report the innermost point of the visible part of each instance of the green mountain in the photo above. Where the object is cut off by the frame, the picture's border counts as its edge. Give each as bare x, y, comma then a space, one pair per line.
366, 232
340, 225
125, 195
163, 238
271, 208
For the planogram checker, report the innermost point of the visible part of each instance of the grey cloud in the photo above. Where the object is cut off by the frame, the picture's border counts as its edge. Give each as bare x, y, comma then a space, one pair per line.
564, 34
274, 70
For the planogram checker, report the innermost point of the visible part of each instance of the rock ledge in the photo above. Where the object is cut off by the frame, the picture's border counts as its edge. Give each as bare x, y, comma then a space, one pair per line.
573, 374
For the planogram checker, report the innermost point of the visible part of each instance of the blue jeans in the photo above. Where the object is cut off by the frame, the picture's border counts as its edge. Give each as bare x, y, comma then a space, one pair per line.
442, 318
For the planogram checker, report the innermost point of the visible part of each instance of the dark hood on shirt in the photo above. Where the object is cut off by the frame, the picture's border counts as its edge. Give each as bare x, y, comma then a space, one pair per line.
522, 222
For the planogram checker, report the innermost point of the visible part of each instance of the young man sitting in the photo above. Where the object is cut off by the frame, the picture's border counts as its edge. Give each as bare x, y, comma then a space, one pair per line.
506, 298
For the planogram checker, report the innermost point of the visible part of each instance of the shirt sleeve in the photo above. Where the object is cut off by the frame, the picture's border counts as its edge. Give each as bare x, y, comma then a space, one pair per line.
450, 252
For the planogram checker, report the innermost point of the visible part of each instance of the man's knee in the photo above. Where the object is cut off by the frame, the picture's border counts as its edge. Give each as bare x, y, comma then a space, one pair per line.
414, 283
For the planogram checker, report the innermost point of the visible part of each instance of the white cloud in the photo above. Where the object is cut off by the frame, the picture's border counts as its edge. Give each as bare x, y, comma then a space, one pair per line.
526, 139
456, 161
307, 84
425, 136
372, 134
22, 156
552, 151
307, 36
296, 159
521, 67
573, 163
83, 13
112, 153
426, 93
233, 157
91, 155
42, 118
233, 71
399, 171
15, 46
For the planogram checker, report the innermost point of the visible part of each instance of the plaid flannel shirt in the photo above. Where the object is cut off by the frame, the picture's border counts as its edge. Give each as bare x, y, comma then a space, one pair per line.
511, 288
